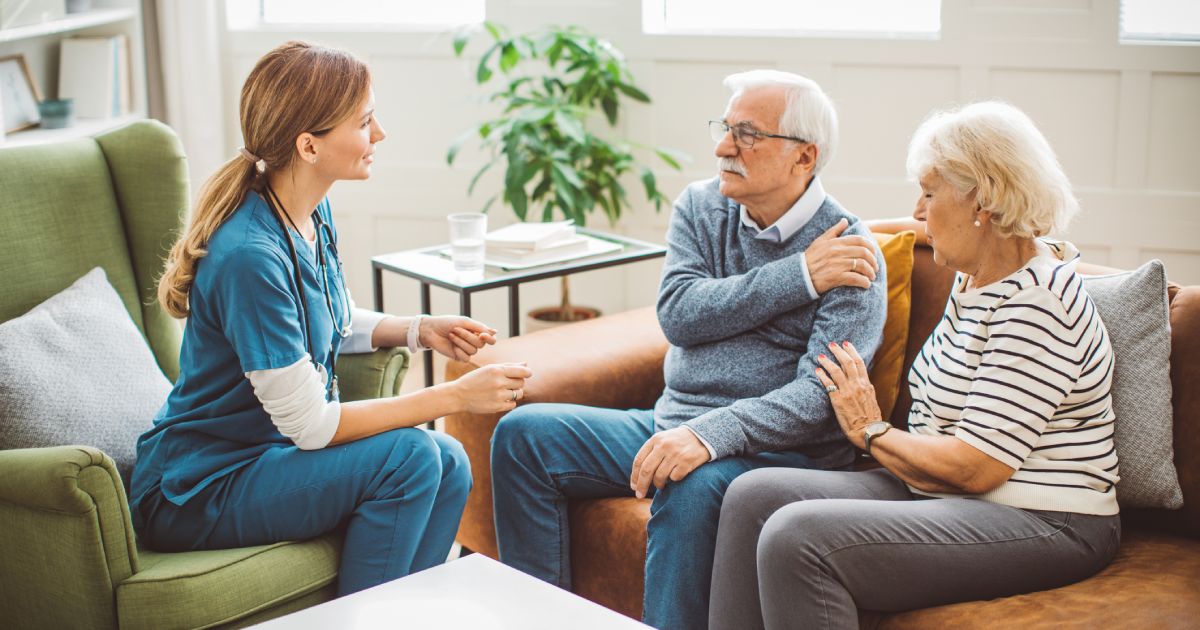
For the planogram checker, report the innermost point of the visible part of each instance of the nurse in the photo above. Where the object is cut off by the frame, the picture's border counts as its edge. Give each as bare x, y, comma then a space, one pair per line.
253, 446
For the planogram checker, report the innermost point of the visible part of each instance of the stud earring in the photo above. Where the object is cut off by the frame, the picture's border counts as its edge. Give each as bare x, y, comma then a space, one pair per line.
977, 223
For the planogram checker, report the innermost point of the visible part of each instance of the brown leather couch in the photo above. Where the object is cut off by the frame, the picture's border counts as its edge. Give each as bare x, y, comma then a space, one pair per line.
616, 361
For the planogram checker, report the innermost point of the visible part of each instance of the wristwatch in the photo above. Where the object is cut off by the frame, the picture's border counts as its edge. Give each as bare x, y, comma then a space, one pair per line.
874, 430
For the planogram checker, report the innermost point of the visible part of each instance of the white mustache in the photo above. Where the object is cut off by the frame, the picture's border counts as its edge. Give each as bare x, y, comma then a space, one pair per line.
730, 164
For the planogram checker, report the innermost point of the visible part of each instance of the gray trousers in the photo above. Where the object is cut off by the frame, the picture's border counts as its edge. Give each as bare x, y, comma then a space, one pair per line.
806, 548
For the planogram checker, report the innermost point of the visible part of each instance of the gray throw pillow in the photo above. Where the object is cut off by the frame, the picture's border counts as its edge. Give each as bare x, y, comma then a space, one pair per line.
78, 371
1134, 307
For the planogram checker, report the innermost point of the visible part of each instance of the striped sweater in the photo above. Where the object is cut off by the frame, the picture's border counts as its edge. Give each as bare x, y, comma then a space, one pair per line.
1021, 369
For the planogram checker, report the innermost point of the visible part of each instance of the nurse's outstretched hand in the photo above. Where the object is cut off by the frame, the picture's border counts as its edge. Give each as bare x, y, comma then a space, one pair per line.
492, 388
455, 337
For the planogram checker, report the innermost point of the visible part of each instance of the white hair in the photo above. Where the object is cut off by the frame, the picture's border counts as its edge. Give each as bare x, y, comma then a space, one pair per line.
994, 149
808, 114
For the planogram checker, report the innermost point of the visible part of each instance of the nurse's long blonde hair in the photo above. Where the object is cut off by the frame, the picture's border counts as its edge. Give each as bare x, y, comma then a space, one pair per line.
296, 88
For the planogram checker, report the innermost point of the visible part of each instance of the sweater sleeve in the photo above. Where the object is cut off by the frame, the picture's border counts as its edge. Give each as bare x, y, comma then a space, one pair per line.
294, 397
799, 413
696, 307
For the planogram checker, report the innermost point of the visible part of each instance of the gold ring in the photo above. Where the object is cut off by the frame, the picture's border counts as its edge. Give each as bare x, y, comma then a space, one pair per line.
854, 265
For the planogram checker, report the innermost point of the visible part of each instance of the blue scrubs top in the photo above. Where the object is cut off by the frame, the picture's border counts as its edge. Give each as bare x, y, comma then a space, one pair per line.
245, 316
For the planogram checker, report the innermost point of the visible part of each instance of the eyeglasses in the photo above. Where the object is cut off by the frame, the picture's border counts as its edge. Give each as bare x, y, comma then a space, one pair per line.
743, 134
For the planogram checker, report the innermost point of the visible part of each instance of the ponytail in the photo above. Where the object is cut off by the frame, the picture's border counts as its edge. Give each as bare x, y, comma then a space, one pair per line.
219, 198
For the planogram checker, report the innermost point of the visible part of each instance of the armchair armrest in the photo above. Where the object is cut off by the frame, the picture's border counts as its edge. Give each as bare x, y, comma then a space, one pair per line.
614, 361
370, 375
65, 536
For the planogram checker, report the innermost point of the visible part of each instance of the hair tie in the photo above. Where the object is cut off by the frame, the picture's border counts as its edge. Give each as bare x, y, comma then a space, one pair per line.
248, 156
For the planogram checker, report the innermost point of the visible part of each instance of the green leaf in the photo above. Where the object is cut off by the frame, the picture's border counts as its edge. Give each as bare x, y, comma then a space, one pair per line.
563, 190
569, 173
457, 144
493, 29
670, 157
543, 186
520, 203
478, 174
483, 72
569, 127
632, 92
649, 182
609, 103
554, 52
460, 42
508, 57
488, 206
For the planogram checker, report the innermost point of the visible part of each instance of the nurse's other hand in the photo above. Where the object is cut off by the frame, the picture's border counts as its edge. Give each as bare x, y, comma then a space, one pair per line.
492, 388
455, 337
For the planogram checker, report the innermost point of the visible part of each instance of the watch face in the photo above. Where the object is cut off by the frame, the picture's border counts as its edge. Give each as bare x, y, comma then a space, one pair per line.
875, 428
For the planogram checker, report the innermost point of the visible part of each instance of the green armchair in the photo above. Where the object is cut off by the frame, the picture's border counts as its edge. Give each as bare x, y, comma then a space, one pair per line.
70, 556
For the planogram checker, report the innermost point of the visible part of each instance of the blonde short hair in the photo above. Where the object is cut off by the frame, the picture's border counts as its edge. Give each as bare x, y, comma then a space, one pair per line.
994, 149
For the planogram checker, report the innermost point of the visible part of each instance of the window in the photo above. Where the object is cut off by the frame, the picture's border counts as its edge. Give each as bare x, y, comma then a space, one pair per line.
836, 18
375, 13
1160, 20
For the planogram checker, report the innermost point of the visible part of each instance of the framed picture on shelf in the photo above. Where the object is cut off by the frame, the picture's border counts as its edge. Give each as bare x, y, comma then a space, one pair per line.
19, 95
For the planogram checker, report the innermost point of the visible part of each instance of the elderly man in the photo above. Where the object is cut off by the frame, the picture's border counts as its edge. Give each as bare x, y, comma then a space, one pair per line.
757, 282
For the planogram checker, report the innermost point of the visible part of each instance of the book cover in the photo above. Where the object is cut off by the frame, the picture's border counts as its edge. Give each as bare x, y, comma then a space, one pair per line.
88, 74
530, 236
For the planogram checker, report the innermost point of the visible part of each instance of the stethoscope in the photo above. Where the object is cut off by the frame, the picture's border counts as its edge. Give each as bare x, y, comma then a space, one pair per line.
324, 232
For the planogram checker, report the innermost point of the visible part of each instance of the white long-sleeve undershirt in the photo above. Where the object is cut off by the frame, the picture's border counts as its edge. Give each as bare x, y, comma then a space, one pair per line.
294, 396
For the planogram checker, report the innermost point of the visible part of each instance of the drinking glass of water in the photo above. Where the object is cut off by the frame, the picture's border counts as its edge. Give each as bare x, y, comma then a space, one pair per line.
467, 231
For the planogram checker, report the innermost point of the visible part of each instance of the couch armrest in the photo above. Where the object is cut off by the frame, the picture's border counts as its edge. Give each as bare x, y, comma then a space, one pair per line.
370, 375
614, 361
65, 536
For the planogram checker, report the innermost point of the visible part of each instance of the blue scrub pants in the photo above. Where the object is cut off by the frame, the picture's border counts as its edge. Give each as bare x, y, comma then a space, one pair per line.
400, 495
545, 454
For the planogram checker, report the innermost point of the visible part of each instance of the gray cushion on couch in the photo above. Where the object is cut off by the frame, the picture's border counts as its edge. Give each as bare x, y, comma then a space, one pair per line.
1134, 307
78, 371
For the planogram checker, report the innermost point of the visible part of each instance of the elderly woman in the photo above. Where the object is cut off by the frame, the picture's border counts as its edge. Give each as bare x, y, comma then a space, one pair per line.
1004, 481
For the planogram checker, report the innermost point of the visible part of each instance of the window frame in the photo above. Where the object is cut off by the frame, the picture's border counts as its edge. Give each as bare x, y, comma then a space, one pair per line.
654, 22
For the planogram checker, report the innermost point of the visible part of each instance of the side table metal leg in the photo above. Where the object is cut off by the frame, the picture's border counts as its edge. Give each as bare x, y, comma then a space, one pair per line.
464, 304
378, 288
514, 310
428, 353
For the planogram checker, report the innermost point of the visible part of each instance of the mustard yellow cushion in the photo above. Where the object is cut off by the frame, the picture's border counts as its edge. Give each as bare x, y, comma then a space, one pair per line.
889, 360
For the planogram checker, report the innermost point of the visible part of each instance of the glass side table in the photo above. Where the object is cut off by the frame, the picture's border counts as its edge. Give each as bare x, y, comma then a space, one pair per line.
432, 266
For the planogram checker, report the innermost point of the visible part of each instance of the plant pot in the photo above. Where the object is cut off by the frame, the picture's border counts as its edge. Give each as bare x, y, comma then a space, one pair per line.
551, 316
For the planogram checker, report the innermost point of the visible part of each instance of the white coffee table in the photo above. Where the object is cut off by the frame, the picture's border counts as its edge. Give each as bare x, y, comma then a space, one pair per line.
474, 592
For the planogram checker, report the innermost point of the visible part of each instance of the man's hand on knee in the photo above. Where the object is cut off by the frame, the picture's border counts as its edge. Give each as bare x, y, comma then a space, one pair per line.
667, 456
835, 261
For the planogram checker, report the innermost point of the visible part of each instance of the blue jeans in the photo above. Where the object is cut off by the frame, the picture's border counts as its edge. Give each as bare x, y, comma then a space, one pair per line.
400, 495
545, 454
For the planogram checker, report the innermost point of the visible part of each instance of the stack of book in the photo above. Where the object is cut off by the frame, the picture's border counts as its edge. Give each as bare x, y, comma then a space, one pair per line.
530, 244
95, 72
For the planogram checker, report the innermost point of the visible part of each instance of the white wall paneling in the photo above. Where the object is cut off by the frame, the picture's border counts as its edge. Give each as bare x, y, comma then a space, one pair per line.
1125, 120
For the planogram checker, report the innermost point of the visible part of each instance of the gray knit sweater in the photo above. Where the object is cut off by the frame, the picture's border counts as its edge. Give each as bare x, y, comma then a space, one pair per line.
745, 331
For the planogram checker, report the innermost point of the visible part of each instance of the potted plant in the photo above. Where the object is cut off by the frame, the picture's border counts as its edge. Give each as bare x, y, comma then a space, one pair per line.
555, 82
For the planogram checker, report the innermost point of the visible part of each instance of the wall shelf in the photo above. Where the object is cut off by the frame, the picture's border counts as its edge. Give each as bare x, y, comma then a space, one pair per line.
73, 22
81, 129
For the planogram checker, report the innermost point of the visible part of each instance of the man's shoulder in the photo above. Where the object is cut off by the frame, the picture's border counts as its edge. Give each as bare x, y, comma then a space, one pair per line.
828, 214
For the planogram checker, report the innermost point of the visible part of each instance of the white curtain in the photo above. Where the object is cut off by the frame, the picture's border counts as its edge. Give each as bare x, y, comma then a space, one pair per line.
189, 42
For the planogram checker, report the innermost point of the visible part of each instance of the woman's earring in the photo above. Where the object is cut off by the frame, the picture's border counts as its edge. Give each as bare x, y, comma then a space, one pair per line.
977, 223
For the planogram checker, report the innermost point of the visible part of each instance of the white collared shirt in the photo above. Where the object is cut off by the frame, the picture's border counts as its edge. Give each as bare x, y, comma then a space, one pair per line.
795, 218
